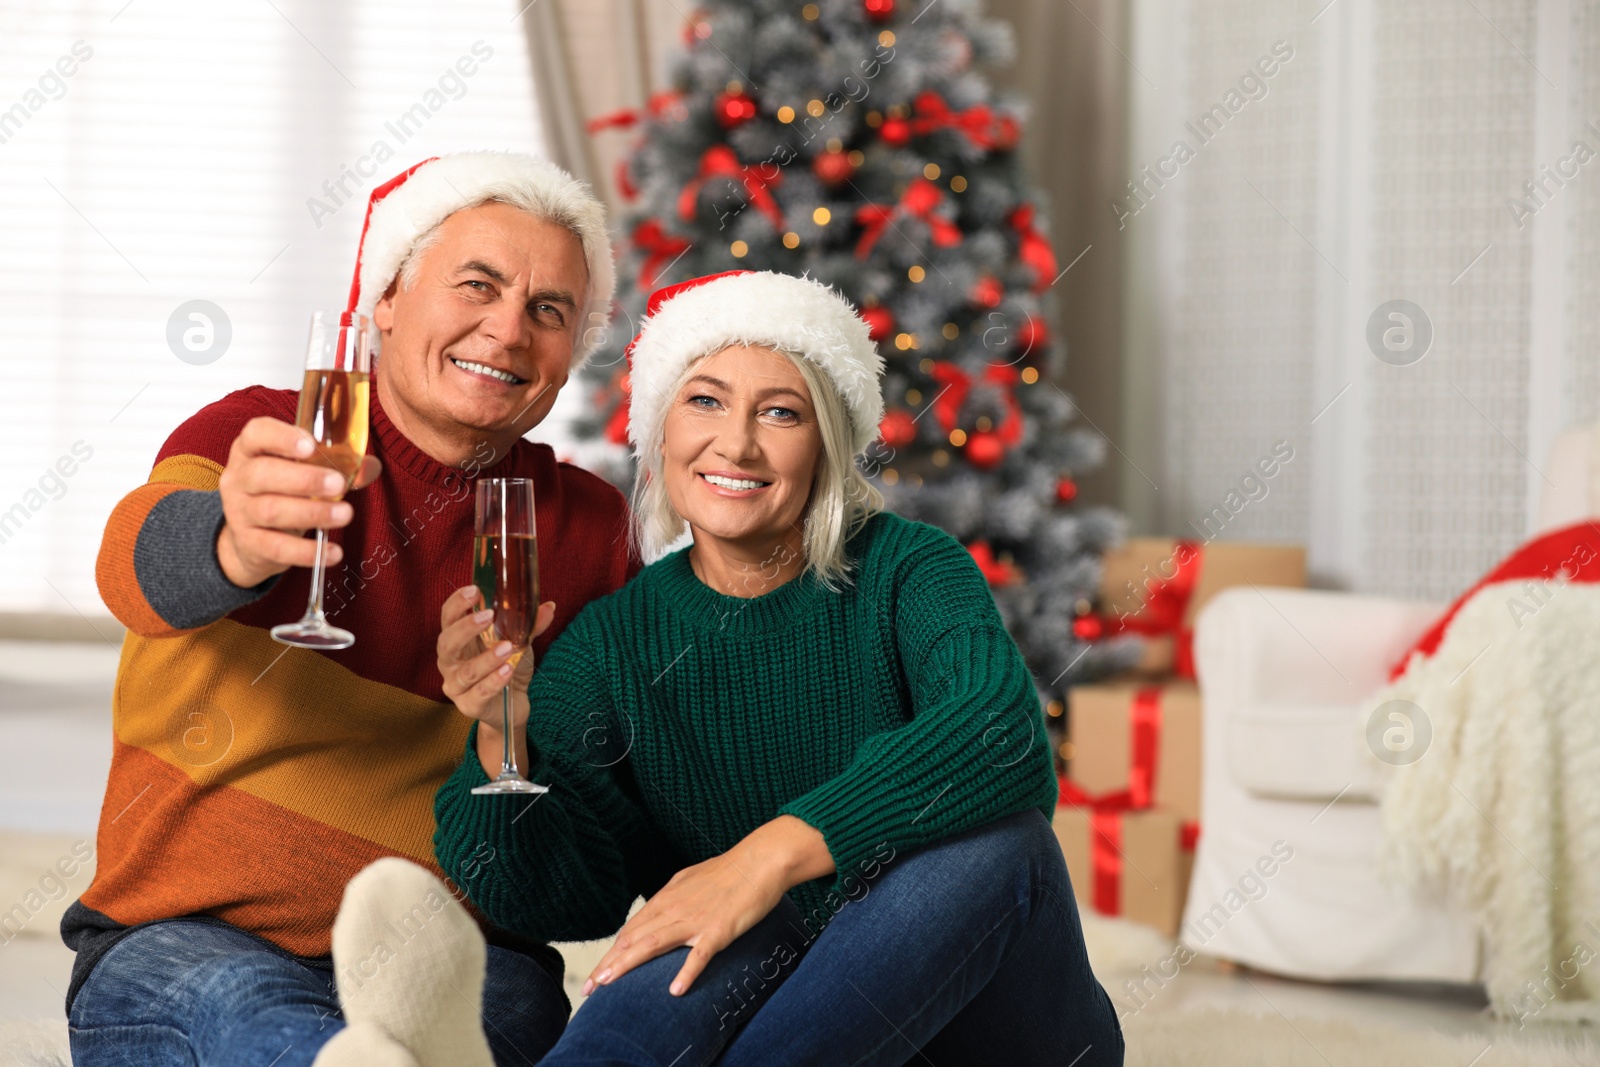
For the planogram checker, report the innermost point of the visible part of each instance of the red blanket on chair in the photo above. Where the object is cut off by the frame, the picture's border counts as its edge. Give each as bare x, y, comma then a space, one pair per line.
1570, 554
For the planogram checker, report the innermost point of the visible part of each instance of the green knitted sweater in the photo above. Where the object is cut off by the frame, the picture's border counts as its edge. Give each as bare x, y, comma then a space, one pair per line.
671, 720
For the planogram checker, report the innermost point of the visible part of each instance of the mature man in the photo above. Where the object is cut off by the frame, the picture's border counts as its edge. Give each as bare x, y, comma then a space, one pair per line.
250, 781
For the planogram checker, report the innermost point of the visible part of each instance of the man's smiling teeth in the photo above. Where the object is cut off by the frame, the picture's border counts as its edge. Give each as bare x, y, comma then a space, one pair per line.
733, 483
504, 376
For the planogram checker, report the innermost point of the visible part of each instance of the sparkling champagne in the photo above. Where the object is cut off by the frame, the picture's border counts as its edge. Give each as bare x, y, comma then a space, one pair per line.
333, 410
506, 572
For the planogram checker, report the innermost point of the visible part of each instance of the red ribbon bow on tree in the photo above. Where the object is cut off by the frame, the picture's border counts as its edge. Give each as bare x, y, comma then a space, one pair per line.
625, 118
996, 572
958, 383
1033, 249
933, 112
617, 426
659, 247
1004, 374
720, 161
921, 199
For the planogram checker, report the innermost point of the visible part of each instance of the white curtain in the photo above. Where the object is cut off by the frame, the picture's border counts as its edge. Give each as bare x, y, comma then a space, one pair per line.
593, 58
153, 154
1377, 164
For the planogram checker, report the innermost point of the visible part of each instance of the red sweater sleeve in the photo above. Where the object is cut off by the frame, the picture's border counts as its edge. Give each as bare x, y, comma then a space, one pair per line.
157, 570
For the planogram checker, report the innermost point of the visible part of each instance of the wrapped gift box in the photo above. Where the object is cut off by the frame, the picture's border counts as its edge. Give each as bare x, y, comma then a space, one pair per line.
1143, 737
1157, 586
1128, 864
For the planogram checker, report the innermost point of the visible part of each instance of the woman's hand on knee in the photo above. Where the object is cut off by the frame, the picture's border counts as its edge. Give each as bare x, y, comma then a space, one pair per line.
706, 907
709, 905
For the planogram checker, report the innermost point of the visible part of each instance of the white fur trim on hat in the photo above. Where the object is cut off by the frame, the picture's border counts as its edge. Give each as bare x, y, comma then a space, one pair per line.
465, 179
796, 315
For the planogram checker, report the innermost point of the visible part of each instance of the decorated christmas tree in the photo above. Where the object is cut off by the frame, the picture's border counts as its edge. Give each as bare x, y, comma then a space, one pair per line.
857, 142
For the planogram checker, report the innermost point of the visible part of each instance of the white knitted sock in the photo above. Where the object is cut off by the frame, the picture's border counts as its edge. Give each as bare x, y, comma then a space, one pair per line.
363, 1045
408, 959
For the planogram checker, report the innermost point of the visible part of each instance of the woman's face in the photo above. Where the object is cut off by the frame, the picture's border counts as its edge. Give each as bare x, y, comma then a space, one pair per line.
741, 446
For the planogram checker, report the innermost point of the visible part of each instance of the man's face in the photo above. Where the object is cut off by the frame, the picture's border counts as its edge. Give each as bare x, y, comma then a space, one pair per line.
483, 339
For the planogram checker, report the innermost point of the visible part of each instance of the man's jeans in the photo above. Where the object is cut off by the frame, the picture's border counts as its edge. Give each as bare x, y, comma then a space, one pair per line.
968, 951
204, 994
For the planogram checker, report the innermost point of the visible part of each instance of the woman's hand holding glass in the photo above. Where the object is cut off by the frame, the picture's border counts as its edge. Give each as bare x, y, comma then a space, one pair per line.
474, 676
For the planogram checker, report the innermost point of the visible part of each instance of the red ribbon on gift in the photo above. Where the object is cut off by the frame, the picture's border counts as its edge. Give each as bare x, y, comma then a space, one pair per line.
921, 199
658, 246
933, 112
1165, 606
1033, 249
1144, 742
1106, 809
1105, 812
720, 161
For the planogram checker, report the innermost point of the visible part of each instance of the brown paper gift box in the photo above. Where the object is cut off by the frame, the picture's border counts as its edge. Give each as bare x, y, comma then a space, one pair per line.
1128, 572
1154, 879
1099, 725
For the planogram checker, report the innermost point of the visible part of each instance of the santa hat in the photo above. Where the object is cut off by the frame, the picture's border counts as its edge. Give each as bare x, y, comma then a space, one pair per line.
413, 202
796, 315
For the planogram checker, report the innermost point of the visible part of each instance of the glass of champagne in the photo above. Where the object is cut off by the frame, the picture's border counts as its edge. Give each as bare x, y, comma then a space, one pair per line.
333, 410
505, 568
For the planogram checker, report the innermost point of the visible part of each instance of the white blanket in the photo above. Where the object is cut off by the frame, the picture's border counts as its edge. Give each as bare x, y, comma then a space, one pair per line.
1502, 811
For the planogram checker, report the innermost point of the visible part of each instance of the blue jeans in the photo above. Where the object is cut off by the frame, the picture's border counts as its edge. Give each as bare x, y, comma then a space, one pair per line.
968, 951
204, 994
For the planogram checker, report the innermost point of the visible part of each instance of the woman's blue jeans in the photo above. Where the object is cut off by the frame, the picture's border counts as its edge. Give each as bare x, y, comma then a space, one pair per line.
186, 992
968, 951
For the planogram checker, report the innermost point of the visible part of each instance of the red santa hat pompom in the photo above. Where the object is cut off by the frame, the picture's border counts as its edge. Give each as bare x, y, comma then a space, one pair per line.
413, 202
796, 315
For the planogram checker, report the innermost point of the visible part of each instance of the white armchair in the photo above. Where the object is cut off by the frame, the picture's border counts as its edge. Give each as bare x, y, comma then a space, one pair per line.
1283, 674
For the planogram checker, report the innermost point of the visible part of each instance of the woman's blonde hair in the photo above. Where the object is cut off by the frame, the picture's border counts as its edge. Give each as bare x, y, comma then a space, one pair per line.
841, 501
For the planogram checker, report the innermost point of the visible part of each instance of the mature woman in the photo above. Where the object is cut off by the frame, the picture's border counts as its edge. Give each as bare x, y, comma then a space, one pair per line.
806, 739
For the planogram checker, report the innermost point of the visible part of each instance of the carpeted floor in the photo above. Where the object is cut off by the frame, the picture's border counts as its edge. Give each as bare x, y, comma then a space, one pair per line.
55, 748
1204, 1016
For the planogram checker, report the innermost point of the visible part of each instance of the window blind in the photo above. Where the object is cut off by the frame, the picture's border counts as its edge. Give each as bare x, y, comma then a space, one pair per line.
158, 154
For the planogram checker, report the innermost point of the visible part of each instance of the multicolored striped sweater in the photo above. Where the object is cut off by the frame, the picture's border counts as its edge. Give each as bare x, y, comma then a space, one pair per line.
250, 780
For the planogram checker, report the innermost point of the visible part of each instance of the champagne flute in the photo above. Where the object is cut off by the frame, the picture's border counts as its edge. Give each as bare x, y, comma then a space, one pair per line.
505, 568
333, 410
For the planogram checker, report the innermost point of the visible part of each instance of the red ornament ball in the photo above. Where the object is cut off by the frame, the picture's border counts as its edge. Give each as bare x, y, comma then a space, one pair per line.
985, 449
897, 428
988, 292
1066, 490
696, 28
833, 168
1032, 335
879, 320
896, 133
1088, 627
734, 109
878, 10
